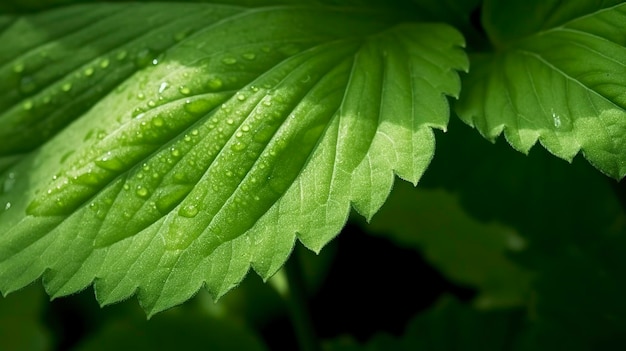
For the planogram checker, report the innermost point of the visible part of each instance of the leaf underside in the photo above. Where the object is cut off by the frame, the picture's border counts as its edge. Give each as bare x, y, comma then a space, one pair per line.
157, 156
562, 85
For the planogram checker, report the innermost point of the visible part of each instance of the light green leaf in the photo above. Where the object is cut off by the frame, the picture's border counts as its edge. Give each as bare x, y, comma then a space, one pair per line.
467, 251
215, 142
562, 84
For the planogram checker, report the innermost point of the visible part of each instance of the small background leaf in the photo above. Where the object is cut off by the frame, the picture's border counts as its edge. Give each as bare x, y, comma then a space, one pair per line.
469, 252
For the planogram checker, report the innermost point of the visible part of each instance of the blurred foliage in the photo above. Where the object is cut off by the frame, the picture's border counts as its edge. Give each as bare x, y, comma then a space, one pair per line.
21, 327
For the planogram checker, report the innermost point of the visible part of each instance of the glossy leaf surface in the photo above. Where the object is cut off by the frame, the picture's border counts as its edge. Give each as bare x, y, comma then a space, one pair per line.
202, 141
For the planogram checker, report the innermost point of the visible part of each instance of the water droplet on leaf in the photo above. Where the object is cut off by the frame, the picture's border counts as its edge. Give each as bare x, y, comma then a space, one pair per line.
229, 60
215, 83
19, 67
141, 191
188, 211
198, 107
121, 55
105, 63
158, 122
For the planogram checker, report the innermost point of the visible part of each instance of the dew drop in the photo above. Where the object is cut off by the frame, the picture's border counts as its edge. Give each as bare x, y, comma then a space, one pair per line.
141, 96
87, 178
556, 120
198, 107
267, 102
175, 152
238, 146
110, 163
66, 87
184, 90
158, 122
245, 128
249, 56
151, 103
138, 112
105, 63
155, 62
229, 60
162, 87
19, 67
121, 55
141, 191
188, 211
27, 105
230, 121
241, 97
215, 83
194, 132
88, 72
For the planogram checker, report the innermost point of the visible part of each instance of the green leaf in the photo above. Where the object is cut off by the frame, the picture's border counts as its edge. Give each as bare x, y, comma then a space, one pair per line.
571, 219
562, 83
465, 250
215, 142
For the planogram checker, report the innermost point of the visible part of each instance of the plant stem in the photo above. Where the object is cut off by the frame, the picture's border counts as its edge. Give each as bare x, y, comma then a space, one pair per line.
297, 305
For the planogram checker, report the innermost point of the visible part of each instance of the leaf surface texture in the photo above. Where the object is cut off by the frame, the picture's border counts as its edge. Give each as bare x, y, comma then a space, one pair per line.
161, 155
